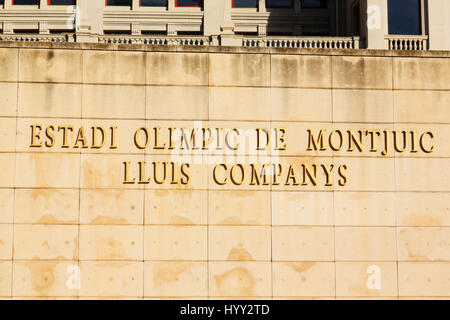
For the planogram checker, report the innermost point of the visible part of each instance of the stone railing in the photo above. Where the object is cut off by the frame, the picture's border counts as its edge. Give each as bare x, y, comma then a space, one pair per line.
157, 40
37, 37
401, 42
302, 42
393, 42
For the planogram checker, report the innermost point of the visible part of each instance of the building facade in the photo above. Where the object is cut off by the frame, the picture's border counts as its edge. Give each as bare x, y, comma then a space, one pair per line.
269, 158
373, 24
144, 172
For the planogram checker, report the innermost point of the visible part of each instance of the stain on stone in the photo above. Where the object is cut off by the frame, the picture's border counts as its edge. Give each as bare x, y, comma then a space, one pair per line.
181, 220
231, 221
46, 245
50, 55
418, 219
76, 248
112, 265
105, 220
109, 248
239, 253
361, 290
95, 174
40, 169
301, 266
357, 195
50, 219
165, 272
42, 275
236, 282
162, 193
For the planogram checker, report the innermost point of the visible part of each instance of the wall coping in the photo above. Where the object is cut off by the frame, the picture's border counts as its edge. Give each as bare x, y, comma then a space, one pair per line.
222, 49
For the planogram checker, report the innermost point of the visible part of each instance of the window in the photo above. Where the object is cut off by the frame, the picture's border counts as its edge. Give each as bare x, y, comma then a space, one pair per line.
153, 3
25, 2
404, 17
245, 3
62, 2
1, 2
188, 3
124, 3
356, 19
279, 3
314, 4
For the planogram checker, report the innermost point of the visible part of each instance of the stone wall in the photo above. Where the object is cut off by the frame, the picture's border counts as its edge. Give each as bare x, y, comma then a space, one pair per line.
340, 217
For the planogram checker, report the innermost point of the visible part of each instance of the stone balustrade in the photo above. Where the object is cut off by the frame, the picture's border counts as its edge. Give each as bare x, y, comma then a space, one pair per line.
192, 40
302, 42
407, 42
157, 40
37, 37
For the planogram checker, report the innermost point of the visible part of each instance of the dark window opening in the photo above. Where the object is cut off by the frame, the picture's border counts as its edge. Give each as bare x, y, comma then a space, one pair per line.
124, 3
26, 31
189, 33
26, 2
58, 31
62, 2
154, 33
244, 3
404, 17
314, 4
153, 3
279, 34
118, 32
247, 33
188, 3
279, 3
356, 20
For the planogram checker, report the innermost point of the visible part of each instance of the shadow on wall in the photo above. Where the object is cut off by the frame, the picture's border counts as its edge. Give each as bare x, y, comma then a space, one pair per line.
300, 18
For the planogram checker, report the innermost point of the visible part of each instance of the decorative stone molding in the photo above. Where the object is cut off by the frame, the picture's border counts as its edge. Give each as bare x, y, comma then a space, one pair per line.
37, 19
43, 28
150, 21
171, 30
135, 29
262, 30
8, 28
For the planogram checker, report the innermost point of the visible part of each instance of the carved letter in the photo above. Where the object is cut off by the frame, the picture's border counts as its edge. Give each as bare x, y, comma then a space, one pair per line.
35, 136
216, 179
313, 144
136, 139
422, 146
126, 179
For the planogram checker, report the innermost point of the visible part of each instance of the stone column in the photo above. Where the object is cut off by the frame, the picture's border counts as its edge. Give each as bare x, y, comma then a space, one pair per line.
135, 5
43, 26
89, 20
213, 18
171, 5
8, 4
135, 27
262, 6
374, 23
439, 24
43, 4
227, 36
7, 27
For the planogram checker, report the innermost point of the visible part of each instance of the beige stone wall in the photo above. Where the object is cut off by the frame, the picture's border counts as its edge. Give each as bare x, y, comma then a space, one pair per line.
66, 211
